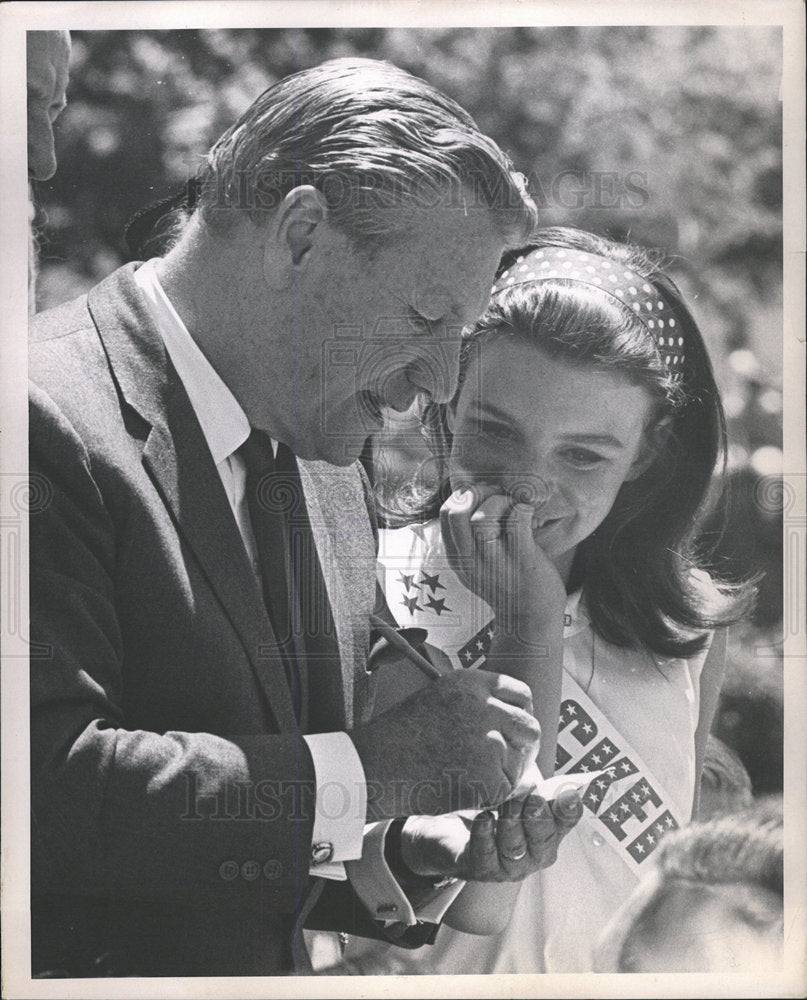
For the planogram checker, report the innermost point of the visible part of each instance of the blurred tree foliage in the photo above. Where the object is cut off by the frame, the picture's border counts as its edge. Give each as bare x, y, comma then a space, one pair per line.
669, 135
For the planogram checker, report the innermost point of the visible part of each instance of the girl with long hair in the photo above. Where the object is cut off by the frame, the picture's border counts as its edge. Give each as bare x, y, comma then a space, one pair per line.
580, 454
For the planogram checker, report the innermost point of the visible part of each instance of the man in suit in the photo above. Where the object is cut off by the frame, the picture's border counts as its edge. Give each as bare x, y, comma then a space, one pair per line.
202, 748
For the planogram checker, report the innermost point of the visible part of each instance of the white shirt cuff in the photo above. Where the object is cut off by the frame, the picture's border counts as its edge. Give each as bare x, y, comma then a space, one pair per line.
376, 887
434, 911
341, 804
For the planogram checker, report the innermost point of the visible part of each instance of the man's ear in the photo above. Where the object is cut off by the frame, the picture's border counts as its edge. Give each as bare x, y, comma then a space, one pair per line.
293, 231
653, 440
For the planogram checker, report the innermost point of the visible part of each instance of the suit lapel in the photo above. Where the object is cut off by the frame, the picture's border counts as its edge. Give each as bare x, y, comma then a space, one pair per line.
179, 462
341, 530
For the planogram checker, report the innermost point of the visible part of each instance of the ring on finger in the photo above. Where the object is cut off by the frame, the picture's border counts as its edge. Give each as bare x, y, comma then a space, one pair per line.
516, 857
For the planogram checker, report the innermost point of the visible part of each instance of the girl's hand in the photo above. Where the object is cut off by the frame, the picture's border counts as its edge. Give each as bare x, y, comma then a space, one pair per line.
491, 548
523, 839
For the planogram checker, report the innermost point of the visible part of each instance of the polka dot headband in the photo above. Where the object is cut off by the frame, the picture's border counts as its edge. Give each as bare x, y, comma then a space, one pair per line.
625, 286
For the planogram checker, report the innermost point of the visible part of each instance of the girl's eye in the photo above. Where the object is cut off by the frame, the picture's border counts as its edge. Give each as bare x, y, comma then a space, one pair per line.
583, 458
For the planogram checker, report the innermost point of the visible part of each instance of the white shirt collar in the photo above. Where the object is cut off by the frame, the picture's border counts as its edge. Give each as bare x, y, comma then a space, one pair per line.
223, 422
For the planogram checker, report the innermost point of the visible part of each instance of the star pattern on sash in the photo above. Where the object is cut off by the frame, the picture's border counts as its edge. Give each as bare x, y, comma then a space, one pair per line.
601, 753
648, 840
412, 604
438, 605
476, 649
421, 596
431, 581
632, 808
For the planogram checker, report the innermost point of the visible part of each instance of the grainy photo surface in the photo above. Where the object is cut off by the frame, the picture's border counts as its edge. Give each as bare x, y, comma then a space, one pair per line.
403, 561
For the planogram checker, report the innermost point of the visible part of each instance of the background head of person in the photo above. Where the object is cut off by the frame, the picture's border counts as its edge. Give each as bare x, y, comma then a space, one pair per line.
48, 56
349, 224
725, 785
713, 901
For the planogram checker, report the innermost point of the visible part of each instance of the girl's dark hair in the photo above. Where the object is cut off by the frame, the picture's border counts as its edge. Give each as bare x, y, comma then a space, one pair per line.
639, 566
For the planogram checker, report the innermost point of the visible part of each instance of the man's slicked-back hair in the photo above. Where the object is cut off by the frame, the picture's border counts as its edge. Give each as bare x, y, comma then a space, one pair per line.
369, 136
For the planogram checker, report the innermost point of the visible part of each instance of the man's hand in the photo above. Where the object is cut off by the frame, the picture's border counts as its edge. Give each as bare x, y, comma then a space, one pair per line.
461, 742
523, 839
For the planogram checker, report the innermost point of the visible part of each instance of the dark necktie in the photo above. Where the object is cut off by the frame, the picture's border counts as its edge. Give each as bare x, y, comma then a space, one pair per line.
273, 491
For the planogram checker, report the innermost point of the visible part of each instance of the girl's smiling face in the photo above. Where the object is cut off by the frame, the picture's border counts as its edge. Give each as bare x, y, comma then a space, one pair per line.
567, 433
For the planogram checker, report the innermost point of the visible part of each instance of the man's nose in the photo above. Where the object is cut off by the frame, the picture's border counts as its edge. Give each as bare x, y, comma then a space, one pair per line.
41, 150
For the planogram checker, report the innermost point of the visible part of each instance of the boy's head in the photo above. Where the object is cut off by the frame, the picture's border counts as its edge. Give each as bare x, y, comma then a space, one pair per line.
712, 903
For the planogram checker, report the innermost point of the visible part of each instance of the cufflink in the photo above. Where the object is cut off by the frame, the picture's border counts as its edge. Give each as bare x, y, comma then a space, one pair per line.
321, 853
446, 882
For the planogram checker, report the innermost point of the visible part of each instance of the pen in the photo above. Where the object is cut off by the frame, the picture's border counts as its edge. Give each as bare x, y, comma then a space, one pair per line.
394, 638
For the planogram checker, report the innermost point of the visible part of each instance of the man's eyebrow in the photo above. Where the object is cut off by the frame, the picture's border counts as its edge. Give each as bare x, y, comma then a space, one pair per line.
486, 409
